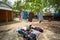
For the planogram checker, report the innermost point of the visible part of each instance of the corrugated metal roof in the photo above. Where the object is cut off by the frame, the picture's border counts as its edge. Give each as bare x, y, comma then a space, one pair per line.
5, 6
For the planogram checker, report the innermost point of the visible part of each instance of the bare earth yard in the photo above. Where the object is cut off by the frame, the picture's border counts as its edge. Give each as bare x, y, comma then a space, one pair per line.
51, 30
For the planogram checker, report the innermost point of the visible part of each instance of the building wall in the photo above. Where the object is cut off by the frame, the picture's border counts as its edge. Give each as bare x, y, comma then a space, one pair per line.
4, 17
9, 13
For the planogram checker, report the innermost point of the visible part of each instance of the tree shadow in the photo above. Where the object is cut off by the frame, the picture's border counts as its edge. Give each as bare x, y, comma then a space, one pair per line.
54, 29
8, 23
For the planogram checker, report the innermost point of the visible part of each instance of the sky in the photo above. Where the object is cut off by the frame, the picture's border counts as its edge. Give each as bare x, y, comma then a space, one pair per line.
12, 1
22, 1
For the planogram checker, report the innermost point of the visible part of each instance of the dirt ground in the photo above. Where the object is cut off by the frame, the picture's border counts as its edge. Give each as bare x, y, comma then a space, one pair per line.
51, 30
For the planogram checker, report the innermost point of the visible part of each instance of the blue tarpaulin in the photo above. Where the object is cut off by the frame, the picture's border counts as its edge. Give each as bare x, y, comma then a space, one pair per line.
56, 15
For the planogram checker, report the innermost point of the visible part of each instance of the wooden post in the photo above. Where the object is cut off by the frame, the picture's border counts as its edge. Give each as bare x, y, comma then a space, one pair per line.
12, 15
6, 16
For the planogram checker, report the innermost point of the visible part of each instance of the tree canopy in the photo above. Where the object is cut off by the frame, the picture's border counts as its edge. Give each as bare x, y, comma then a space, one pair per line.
35, 5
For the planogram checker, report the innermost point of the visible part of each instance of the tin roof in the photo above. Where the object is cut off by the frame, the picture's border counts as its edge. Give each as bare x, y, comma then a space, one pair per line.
5, 6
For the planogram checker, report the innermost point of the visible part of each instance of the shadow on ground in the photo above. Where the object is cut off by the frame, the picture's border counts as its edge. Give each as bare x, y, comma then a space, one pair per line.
8, 23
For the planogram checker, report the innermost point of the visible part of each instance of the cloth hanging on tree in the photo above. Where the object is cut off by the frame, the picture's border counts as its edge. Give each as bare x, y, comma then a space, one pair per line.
25, 17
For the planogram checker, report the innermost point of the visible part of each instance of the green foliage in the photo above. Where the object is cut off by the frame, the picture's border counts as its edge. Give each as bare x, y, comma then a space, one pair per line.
17, 14
36, 5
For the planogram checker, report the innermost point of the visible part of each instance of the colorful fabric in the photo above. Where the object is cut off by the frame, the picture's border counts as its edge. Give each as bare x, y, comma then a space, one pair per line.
31, 34
25, 15
31, 16
40, 16
21, 15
